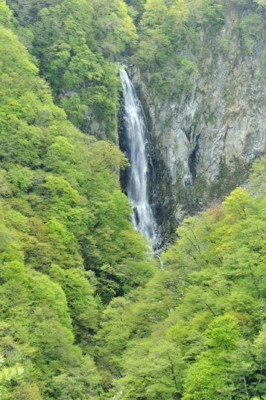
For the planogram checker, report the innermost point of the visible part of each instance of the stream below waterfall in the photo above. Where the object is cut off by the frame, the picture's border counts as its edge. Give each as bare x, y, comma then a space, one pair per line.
137, 178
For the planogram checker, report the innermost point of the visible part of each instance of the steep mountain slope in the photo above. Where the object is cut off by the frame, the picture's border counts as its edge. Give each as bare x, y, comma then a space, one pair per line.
201, 75
67, 245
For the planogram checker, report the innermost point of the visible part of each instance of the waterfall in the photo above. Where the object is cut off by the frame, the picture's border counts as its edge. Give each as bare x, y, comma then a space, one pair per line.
136, 187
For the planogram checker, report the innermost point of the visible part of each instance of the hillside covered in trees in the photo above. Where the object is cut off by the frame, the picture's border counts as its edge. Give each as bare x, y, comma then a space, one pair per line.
87, 311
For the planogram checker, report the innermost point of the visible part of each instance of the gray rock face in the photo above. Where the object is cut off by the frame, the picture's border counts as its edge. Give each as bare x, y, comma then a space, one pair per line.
209, 138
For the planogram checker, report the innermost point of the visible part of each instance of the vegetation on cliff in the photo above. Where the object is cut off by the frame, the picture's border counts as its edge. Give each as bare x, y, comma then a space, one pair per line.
173, 36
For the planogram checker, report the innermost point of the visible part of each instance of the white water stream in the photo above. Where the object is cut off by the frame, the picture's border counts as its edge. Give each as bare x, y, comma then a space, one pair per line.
142, 215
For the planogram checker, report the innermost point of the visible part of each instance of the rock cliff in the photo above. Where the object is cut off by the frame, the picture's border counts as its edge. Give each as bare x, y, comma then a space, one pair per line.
205, 141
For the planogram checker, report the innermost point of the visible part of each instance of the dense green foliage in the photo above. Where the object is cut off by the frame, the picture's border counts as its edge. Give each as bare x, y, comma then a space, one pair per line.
66, 242
85, 313
167, 29
197, 330
75, 42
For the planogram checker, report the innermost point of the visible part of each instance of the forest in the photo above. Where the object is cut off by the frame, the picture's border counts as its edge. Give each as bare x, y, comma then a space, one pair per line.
87, 311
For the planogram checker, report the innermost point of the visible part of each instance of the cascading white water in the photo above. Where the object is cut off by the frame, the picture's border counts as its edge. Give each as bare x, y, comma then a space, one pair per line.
142, 215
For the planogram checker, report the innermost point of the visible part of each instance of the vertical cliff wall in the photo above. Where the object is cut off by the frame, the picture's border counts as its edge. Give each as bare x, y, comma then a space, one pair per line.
205, 140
